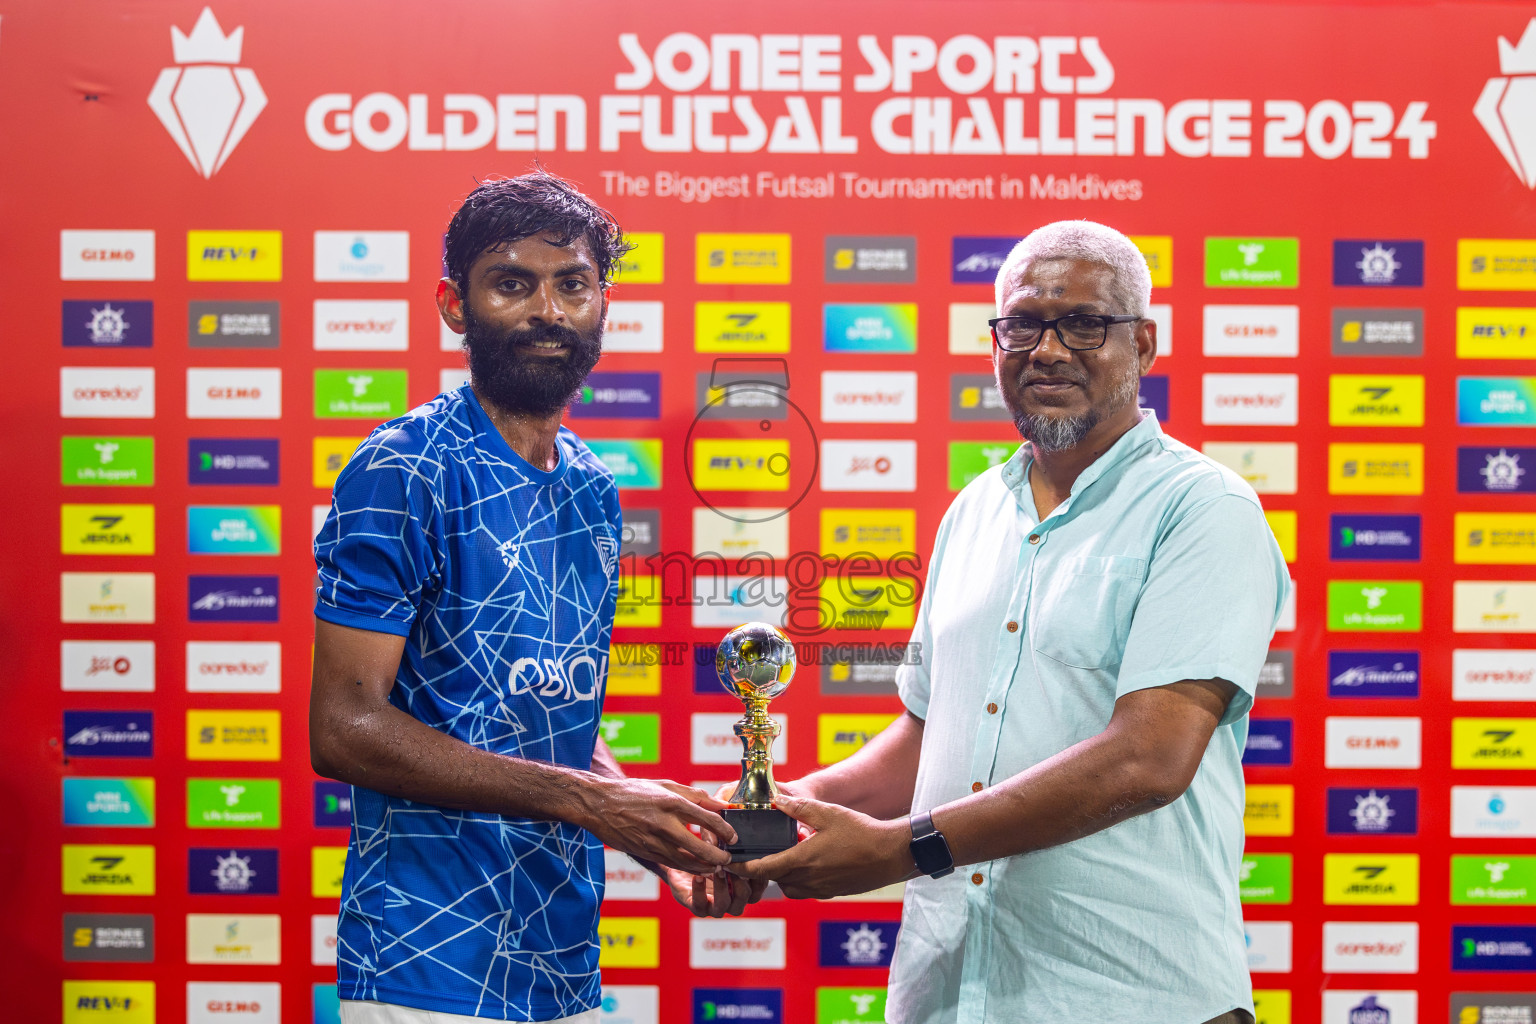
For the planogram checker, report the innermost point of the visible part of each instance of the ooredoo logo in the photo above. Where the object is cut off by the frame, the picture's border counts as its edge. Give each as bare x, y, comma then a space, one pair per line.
121, 392
234, 667
868, 397
353, 326
1507, 107
1249, 399
205, 102
1370, 947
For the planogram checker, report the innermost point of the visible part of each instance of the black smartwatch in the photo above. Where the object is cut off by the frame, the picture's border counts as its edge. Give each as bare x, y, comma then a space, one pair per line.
929, 848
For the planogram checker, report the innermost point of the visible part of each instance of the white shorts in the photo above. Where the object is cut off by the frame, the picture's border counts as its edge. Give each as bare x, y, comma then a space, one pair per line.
357, 1011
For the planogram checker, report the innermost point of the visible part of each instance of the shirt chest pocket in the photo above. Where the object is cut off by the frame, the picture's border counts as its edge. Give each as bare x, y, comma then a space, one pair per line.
1081, 608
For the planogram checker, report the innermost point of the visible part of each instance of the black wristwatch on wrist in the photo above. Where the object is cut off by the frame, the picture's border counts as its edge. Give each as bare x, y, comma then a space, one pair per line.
929, 848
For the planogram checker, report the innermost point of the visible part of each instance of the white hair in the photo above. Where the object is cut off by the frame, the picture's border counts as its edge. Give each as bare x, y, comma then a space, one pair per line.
1130, 287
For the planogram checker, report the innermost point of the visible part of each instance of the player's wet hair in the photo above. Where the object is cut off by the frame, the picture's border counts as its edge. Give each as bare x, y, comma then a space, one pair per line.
503, 211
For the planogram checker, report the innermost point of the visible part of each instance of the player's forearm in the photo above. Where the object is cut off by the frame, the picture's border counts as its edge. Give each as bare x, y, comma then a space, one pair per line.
878, 778
383, 749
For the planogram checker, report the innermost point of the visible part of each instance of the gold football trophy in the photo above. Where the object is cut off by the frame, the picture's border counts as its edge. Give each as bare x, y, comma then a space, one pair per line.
755, 662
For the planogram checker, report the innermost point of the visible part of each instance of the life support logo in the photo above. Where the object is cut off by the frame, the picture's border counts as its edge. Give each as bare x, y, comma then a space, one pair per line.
205, 102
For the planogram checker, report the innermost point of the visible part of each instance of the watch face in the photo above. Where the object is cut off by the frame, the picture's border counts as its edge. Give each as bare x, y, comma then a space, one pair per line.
931, 853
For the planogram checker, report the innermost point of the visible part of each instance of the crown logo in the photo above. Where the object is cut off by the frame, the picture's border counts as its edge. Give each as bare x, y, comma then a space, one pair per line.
1507, 107
205, 104
208, 44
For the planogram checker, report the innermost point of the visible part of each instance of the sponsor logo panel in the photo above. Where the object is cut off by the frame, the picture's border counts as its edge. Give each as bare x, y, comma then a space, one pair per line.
1360, 1006
234, 939
1268, 466
359, 394
234, 255
634, 670
325, 1004
109, 1002
889, 327
110, 938
634, 463
1373, 674
1495, 264
107, 597
728, 601
1269, 946
969, 334
1152, 393
735, 533
233, 460
322, 940
1502, 470
1375, 469
1251, 262
1249, 399
1277, 676
1272, 1006
333, 804
632, 326
330, 456
1269, 742
1484, 811
1493, 606
107, 529
741, 258
253, 1002
1375, 605
109, 734
1251, 330
1157, 250
353, 325
879, 532
644, 263
869, 602
234, 324
1358, 741
234, 735
106, 666
110, 802
1368, 400
1373, 811
630, 396
977, 259
627, 879
1378, 263
870, 259
862, 670
234, 529
712, 740
1495, 538
1496, 401
92, 869
969, 459
869, 465
1161, 315
974, 396
639, 601
232, 871
362, 256
1270, 810
232, 803
1377, 332
1491, 1007
888, 397
1390, 879
234, 667
326, 865
232, 598
1493, 880
838, 736
247, 393
1493, 743
728, 464
1354, 538
1498, 674
1264, 878
728, 395
1370, 947
100, 392
641, 532
1489, 947
736, 942
1484, 332
106, 255
856, 943
758, 1005
628, 942
630, 1004
632, 737
107, 461
1282, 523
108, 323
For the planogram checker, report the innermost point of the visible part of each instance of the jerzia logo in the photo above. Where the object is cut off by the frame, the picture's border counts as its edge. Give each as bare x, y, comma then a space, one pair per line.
1507, 109
206, 104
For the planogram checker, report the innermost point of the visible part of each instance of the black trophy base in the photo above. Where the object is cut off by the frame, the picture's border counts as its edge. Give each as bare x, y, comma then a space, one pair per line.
759, 832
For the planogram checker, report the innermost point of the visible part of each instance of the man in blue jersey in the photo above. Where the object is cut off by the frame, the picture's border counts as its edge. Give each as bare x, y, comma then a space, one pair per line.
468, 578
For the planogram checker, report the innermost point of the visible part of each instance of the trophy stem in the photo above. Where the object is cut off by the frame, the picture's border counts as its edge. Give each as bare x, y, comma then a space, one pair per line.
756, 790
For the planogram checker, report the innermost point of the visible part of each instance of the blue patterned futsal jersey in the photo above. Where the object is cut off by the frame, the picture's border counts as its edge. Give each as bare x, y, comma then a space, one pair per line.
503, 579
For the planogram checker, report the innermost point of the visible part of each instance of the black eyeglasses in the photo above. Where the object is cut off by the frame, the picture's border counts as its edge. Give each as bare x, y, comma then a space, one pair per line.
1079, 332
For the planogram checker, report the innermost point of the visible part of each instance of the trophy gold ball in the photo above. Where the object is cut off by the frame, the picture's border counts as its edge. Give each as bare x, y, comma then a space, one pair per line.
755, 662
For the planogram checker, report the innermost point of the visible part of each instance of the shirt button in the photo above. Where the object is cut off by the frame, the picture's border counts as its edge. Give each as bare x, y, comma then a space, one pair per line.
977, 878
1034, 538
1013, 627
977, 787
991, 709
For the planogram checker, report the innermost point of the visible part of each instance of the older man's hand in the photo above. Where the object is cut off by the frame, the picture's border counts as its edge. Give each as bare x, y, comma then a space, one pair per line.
847, 853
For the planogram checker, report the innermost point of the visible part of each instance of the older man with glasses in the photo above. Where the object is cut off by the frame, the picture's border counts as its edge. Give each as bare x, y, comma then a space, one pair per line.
1096, 615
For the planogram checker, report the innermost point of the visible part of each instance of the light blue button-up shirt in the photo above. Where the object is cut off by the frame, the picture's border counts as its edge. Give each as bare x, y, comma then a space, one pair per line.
1158, 567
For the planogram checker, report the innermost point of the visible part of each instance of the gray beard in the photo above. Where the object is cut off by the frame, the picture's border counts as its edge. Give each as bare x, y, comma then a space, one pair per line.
1052, 434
